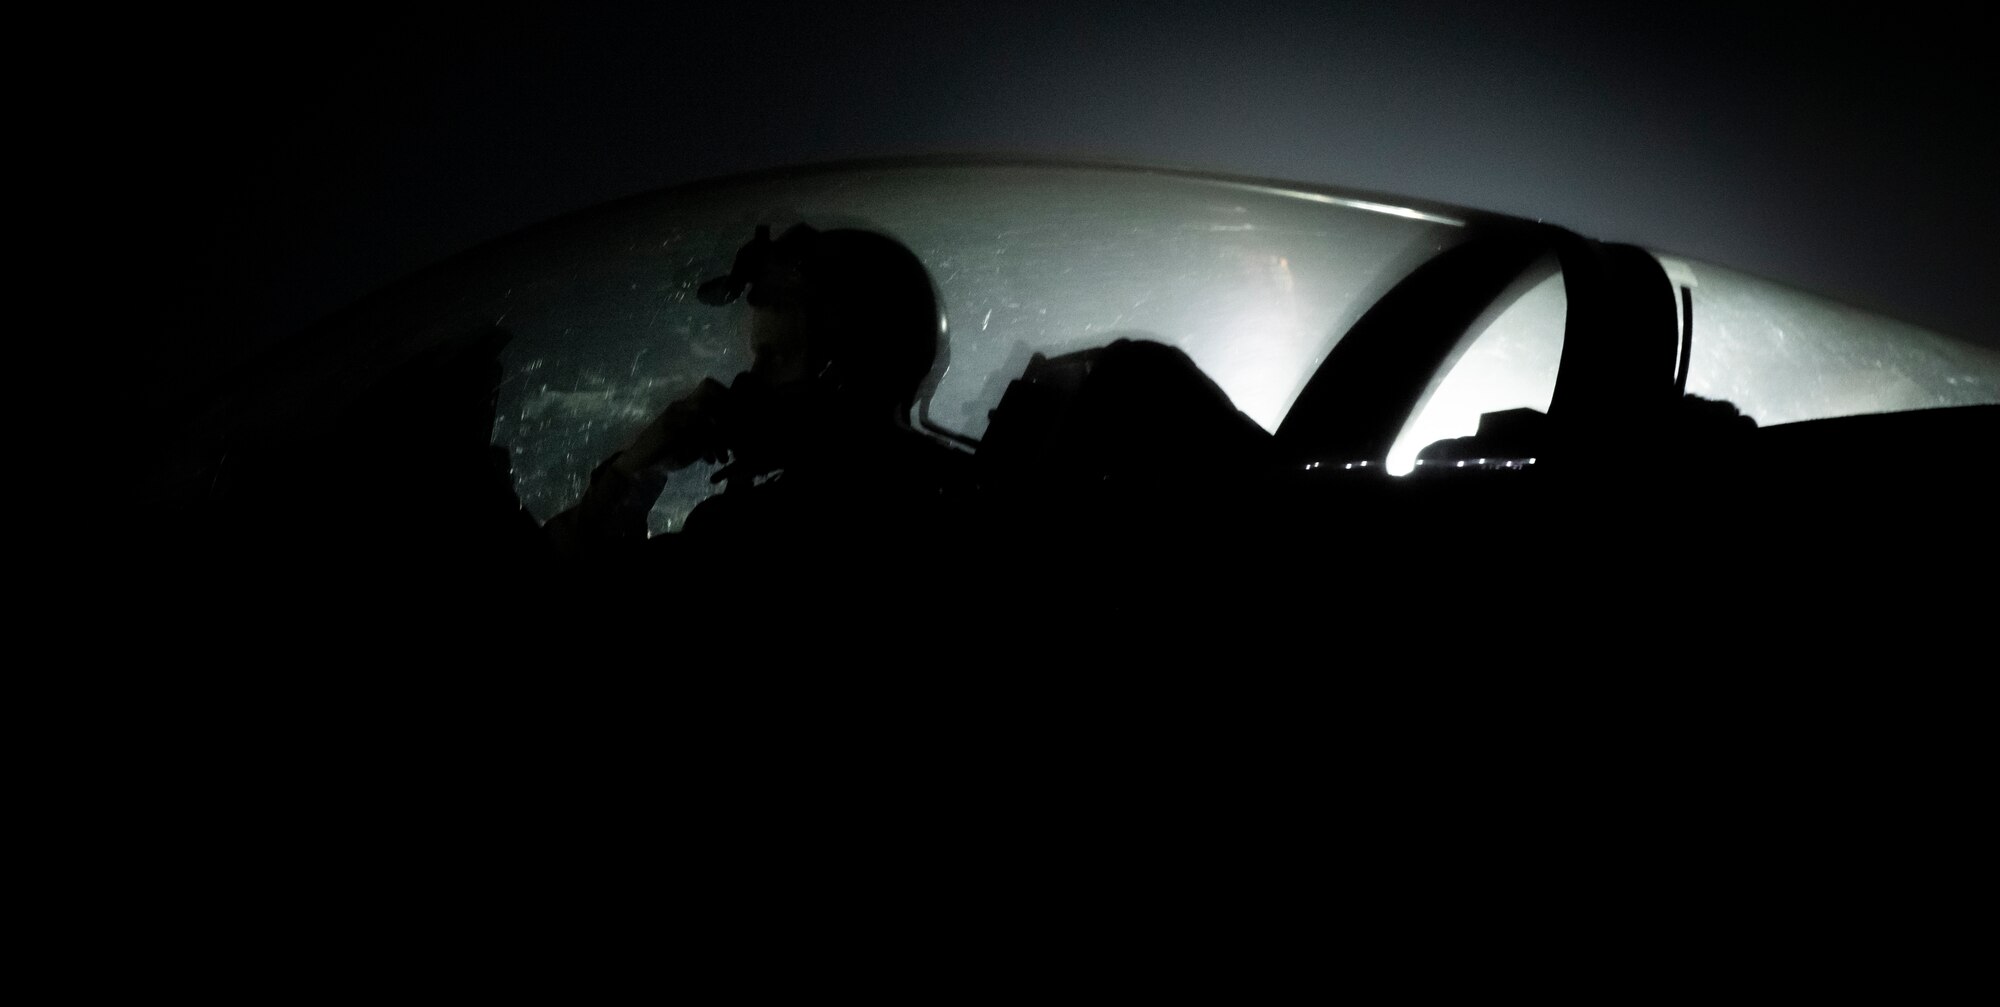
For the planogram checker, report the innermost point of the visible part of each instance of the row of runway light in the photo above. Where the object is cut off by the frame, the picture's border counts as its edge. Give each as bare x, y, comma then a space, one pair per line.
1483, 463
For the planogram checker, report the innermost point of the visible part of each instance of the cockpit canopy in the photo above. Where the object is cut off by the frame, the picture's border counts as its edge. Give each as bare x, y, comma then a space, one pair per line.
1256, 281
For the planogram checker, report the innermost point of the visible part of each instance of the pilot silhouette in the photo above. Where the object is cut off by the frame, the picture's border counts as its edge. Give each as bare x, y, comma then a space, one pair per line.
843, 329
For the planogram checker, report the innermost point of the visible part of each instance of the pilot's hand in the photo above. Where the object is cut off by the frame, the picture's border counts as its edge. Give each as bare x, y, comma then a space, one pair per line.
692, 429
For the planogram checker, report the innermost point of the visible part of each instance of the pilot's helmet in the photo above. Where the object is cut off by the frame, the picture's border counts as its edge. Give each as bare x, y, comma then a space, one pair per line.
871, 313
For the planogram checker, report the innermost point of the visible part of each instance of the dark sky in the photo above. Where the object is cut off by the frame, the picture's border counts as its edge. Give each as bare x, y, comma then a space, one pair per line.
292, 162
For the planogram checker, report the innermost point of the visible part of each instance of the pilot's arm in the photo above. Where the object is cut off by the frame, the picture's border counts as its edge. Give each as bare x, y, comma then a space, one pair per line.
624, 487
